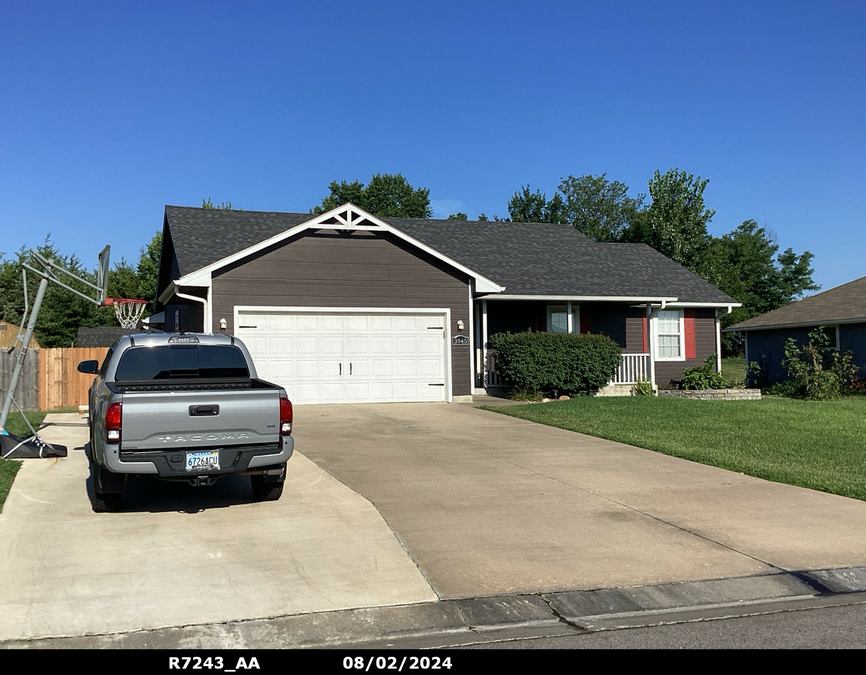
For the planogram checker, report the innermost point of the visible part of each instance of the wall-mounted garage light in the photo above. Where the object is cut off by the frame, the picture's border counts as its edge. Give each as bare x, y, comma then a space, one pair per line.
460, 325
223, 325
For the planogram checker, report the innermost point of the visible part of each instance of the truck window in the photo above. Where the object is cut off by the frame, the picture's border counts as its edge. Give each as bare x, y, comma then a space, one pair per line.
181, 361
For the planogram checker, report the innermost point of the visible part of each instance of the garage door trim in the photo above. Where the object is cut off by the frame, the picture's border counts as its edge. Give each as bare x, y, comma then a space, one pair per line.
440, 311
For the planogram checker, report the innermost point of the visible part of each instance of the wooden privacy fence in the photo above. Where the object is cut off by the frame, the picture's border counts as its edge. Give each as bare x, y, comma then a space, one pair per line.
60, 383
27, 391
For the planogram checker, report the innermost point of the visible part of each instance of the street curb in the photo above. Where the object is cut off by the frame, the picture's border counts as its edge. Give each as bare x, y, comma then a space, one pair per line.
469, 620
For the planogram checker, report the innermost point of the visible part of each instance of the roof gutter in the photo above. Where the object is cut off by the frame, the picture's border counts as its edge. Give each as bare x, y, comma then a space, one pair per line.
802, 324
174, 290
583, 298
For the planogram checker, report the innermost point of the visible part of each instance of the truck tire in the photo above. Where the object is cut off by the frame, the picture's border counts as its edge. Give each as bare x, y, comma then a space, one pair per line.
106, 503
265, 492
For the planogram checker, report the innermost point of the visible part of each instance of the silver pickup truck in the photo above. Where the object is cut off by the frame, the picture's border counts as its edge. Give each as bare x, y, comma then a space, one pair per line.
184, 408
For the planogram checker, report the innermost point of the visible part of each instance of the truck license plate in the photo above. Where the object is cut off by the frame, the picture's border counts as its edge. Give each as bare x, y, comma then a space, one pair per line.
203, 461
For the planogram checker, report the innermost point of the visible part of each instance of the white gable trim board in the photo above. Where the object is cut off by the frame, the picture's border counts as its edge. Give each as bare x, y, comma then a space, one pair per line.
348, 217
350, 354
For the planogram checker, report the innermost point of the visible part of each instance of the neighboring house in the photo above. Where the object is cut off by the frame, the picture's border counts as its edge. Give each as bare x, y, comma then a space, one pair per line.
842, 310
347, 306
102, 336
8, 333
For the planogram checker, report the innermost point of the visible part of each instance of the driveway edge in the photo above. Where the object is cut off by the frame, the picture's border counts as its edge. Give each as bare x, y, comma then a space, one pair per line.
488, 619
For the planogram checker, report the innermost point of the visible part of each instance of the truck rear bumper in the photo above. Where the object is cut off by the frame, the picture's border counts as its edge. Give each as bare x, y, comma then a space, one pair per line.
173, 463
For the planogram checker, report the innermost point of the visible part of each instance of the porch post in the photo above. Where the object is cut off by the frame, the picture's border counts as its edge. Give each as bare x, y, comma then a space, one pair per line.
718, 343
484, 340
650, 345
569, 317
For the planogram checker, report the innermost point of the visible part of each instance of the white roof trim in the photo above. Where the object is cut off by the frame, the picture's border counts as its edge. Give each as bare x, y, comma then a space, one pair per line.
705, 304
583, 298
348, 217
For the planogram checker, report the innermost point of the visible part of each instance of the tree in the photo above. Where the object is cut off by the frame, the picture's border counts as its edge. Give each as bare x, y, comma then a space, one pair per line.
62, 311
533, 207
746, 265
458, 216
385, 195
676, 222
148, 271
225, 206
599, 208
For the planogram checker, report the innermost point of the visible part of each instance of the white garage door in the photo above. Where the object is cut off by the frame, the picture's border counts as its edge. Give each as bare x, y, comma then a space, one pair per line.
348, 357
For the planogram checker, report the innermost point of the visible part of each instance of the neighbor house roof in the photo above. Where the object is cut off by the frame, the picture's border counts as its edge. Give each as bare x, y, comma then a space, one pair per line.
843, 304
102, 336
528, 259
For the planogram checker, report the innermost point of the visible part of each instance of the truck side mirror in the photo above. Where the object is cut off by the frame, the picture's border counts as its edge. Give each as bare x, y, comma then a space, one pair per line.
91, 367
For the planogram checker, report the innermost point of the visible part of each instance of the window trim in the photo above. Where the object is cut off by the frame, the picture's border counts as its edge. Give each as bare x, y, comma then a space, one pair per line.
682, 336
575, 316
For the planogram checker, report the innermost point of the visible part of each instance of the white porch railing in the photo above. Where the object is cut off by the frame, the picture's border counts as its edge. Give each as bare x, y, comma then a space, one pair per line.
632, 368
491, 377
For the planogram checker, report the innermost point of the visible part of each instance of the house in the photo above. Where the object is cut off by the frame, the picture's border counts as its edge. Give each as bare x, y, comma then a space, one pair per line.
841, 310
9, 333
347, 306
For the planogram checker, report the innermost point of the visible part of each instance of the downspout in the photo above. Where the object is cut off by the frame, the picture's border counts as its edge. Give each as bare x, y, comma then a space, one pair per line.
718, 342
649, 345
206, 327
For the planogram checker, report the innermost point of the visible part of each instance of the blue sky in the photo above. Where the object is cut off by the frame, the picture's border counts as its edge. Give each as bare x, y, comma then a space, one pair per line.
109, 111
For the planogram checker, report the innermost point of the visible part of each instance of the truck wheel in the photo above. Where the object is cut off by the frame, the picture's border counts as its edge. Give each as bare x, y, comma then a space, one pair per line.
106, 503
265, 492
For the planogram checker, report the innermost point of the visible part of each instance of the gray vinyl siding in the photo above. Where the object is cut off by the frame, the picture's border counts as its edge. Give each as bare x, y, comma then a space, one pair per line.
362, 269
705, 345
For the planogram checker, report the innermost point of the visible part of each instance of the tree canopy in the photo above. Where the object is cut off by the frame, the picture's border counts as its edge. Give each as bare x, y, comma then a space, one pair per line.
675, 223
385, 195
599, 208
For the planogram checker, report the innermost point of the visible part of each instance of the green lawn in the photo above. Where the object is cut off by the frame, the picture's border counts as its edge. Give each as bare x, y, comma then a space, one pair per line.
817, 445
9, 467
734, 369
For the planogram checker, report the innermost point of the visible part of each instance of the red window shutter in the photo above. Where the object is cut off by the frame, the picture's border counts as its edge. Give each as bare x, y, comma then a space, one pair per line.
585, 322
689, 316
643, 323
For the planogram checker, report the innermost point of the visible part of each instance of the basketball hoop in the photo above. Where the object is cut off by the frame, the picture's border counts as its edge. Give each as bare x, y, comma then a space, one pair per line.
127, 311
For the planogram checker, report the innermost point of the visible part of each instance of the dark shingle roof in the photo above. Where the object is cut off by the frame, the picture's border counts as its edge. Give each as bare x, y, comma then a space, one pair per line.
551, 259
843, 303
203, 236
102, 336
526, 258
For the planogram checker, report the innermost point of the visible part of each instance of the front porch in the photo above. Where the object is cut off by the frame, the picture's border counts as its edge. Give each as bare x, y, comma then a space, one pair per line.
659, 337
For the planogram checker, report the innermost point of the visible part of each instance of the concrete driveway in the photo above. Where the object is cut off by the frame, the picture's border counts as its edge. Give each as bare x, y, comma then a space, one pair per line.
178, 555
488, 504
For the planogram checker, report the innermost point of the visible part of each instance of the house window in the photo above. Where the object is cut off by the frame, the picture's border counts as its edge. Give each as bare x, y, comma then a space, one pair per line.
669, 335
557, 319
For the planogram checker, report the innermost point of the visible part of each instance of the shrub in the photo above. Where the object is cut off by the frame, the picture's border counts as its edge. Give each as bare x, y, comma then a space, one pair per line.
818, 371
563, 363
642, 388
704, 377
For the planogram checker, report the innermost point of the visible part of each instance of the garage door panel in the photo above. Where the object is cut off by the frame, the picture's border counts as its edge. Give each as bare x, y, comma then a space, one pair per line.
332, 357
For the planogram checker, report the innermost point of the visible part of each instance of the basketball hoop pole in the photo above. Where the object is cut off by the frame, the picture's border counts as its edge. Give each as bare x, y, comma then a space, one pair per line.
47, 273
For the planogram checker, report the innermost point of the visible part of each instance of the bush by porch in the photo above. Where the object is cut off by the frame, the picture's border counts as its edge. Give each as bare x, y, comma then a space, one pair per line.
563, 363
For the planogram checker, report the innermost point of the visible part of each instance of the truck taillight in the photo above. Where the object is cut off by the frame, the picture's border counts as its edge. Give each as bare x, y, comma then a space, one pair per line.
285, 417
112, 422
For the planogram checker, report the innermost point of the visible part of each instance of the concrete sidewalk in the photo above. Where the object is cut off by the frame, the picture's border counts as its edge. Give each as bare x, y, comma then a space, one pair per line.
179, 555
